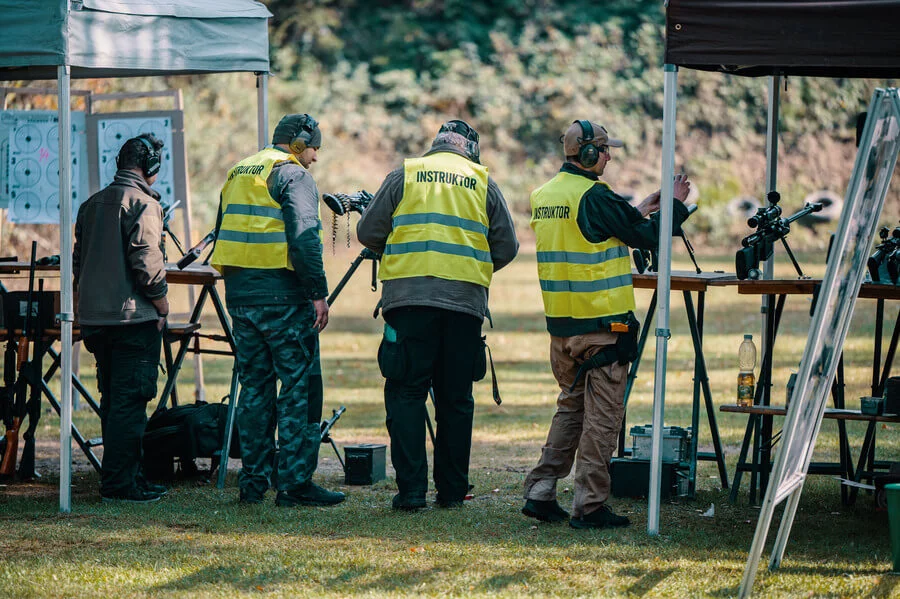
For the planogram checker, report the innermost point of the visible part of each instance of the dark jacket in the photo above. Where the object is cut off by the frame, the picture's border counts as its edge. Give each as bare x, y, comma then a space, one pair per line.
459, 296
118, 257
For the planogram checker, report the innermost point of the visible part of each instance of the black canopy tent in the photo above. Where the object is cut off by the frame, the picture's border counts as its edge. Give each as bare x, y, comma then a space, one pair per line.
846, 38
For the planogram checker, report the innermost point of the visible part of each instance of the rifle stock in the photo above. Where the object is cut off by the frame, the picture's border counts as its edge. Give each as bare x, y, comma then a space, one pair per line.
8, 465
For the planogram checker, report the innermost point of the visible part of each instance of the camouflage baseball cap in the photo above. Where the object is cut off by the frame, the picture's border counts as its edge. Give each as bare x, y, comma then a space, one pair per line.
575, 138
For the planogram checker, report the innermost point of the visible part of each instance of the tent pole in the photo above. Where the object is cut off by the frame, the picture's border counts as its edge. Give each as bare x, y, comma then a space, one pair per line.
262, 100
199, 390
65, 284
771, 173
663, 288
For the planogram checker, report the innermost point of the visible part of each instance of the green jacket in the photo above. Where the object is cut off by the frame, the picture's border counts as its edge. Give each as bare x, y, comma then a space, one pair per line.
118, 256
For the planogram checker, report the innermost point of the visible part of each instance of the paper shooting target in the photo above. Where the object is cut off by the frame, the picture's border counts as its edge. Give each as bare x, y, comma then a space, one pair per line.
32, 165
113, 132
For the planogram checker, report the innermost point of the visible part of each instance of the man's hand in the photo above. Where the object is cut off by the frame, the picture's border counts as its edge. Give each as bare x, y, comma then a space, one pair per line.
649, 205
162, 309
321, 307
682, 187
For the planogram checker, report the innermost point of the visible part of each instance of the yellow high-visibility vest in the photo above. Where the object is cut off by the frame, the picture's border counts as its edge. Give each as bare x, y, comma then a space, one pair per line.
440, 226
579, 279
252, 231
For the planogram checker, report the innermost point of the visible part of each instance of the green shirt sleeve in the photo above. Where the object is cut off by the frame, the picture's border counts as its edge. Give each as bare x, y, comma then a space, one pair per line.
602, 214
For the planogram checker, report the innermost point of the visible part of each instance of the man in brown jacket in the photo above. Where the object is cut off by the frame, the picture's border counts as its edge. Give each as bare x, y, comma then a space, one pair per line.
120, 282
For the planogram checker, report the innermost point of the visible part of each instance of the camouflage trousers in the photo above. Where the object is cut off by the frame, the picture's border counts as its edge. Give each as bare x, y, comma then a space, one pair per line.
277, 344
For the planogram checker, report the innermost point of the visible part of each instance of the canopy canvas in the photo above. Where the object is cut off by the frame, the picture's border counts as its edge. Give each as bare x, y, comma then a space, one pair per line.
61, 39
846, 38
129, 38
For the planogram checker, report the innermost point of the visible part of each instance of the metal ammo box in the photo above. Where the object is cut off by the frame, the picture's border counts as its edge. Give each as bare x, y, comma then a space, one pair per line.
364, 463
675, 443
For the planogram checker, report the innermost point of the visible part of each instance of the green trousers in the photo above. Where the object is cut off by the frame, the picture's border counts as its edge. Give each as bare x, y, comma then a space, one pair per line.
277, 344
127, 369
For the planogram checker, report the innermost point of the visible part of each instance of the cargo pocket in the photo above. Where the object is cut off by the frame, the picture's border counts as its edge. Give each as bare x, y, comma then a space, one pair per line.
392, 359
146, 374
479, 364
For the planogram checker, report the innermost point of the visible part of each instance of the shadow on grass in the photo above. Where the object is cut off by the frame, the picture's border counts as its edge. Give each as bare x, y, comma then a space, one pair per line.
500, 582
646, 580
885, 586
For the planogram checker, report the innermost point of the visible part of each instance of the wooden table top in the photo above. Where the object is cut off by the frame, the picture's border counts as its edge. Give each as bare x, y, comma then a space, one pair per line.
683, 280
195, 274
829, 413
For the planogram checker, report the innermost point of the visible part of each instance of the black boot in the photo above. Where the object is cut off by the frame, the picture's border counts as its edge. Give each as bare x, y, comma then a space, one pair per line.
545, 511
309, 494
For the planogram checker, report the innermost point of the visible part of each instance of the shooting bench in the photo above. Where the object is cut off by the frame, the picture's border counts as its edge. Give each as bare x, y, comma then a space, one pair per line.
758, 432
687, 282
865, 465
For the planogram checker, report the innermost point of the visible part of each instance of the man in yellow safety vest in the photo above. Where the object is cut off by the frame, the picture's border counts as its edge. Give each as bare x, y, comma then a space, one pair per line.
443, 228
269, 251
583, 230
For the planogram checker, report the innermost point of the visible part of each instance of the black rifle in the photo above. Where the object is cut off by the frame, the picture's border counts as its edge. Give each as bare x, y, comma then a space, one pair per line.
770, 227
326, 432
195, 252
9, 380
342, 203
8, 464
168, 211
33, 379
884, 263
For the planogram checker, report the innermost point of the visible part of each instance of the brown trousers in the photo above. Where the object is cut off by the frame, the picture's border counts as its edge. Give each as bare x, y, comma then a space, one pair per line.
587, 422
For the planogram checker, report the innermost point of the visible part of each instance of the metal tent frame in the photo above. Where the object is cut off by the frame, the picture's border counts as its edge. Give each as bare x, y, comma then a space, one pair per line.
122, 38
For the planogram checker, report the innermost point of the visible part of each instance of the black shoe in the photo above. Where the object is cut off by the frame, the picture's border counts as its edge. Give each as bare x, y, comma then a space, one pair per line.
134, 495
545, 511
250, 498
602, 518
311, 494
448, 504
149, 487
408, 503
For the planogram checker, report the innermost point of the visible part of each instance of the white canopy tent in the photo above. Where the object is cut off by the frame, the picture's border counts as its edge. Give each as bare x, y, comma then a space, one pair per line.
62, 39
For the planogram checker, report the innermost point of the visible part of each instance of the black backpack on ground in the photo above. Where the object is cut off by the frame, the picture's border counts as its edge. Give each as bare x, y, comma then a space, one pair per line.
185, 433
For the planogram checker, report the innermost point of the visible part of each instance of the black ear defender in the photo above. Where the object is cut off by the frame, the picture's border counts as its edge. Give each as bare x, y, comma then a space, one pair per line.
588, 153
306, 126
463, 128
152, 161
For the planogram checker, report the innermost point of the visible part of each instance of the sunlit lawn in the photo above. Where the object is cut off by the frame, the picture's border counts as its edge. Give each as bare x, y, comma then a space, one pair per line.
199, 542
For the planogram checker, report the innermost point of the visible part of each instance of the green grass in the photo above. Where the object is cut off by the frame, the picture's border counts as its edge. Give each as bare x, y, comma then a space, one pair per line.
199, 542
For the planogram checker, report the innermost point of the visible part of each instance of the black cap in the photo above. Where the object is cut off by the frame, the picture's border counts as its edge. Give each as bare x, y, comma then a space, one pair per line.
291, 125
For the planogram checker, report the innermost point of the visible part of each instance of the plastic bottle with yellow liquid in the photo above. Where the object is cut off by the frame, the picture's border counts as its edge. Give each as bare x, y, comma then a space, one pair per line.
746, 385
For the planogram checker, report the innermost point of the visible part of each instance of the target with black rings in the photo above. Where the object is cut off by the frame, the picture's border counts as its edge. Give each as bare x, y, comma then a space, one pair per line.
28, 138
26, 206
116, 134
51, 207
27, 172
